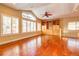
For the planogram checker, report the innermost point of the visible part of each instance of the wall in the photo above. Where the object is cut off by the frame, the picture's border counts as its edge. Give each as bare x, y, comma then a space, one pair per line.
12, 12
45, 30
64, 27
53, 29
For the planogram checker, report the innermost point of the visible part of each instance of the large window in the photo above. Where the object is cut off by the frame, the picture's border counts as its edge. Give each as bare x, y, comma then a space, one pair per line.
28, 15
73, 26
6, 24
30, 21
24, 25
15, 25
9, 25
28, 26
32, 26
77, 25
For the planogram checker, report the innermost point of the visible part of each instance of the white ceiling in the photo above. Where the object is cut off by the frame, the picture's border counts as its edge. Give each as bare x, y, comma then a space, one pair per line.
25, 6
57, 9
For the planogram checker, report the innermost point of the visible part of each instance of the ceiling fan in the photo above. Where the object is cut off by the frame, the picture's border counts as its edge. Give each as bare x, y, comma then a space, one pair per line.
47, 14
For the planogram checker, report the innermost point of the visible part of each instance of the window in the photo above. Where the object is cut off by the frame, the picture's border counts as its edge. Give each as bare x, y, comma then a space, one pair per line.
9, 25
28, 15
32, 26
15, 25
73, 26
6, 25
30, 20
28, 26
77, 25
24, 25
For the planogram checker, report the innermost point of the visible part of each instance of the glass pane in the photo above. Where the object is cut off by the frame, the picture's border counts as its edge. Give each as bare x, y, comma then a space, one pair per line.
71, 26
28, 15
28, 26
24, 25
6, 25
15, 25
32, 26
77, 25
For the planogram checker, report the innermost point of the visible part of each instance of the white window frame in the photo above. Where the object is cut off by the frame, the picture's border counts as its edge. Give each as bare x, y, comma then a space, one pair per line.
3, 25
1, 15
77, 25
24, 29
28, 15
34, 26
17, 24
73, 25
28, 26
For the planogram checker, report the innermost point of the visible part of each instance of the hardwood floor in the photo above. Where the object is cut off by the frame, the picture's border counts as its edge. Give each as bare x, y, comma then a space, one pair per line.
42, 46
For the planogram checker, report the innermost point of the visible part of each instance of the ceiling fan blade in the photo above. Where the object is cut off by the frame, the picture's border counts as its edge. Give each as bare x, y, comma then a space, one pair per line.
47, 14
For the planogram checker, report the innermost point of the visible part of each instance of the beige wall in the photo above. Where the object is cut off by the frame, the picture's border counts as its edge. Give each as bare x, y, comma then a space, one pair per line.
47, 31
12, 12
64, 27
52, 30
